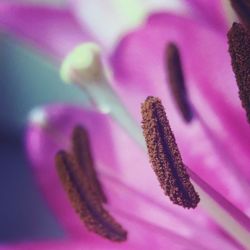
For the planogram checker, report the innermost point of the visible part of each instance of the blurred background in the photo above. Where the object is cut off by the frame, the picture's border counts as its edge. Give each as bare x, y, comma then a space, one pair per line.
27, 80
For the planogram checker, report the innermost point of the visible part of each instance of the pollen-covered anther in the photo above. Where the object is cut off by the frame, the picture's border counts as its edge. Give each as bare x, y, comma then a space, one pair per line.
239, 49
165, 156
81, 149
242, 8
85, 201
176, 81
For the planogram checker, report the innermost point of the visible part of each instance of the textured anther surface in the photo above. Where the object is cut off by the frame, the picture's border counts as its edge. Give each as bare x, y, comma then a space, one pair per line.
165, 156
239, 49
85, 201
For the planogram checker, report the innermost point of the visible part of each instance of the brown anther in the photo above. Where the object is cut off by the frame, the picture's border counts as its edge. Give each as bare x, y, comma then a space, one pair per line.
165, 156
84, 199
82, 152
242, 8
177, 82
239, 49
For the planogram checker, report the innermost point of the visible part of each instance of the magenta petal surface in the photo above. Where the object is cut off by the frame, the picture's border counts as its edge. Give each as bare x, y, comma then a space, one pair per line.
118, 159
216, 144
55, 31
120, 164
211, 13
138, 242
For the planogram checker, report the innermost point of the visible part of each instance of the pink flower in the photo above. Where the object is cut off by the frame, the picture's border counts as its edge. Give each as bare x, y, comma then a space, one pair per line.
214, 145
46, 31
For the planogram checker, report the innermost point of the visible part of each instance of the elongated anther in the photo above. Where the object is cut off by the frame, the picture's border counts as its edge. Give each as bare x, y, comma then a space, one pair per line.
85, 201
242, 8
82, 152
165, 156
177, 82
239, 49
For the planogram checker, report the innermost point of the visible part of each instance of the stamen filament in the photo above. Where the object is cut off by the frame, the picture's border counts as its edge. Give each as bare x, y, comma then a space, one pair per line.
116, 184
167, 233
233, 221
211, 196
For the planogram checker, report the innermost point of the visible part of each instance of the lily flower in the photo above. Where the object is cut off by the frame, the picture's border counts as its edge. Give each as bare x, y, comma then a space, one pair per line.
122, 165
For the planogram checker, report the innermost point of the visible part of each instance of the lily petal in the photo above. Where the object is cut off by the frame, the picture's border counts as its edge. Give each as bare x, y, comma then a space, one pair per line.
136, 241
212, 13
204, 144
128, 14
52, 30
121, 178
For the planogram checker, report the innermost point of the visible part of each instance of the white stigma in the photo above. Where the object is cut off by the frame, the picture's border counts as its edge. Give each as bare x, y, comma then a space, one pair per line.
83, 65
84, 68
38, 117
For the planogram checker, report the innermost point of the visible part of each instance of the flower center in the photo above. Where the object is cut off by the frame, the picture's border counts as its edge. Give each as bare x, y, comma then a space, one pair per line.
77, 174
165, 156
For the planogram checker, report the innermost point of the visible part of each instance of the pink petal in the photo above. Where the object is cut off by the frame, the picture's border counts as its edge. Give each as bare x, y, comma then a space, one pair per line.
120, 164
211, 13
109, 151
55, 31
139, 70
137, 241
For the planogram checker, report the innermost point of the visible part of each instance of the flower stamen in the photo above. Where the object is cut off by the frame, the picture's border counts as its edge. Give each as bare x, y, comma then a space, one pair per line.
84, 196
242, 8
177, 82
239, 49
79, 178
82, 153
165, 156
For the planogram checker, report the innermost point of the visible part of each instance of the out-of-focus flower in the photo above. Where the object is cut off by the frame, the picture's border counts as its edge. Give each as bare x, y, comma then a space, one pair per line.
137, 63
92, 20
47, 31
